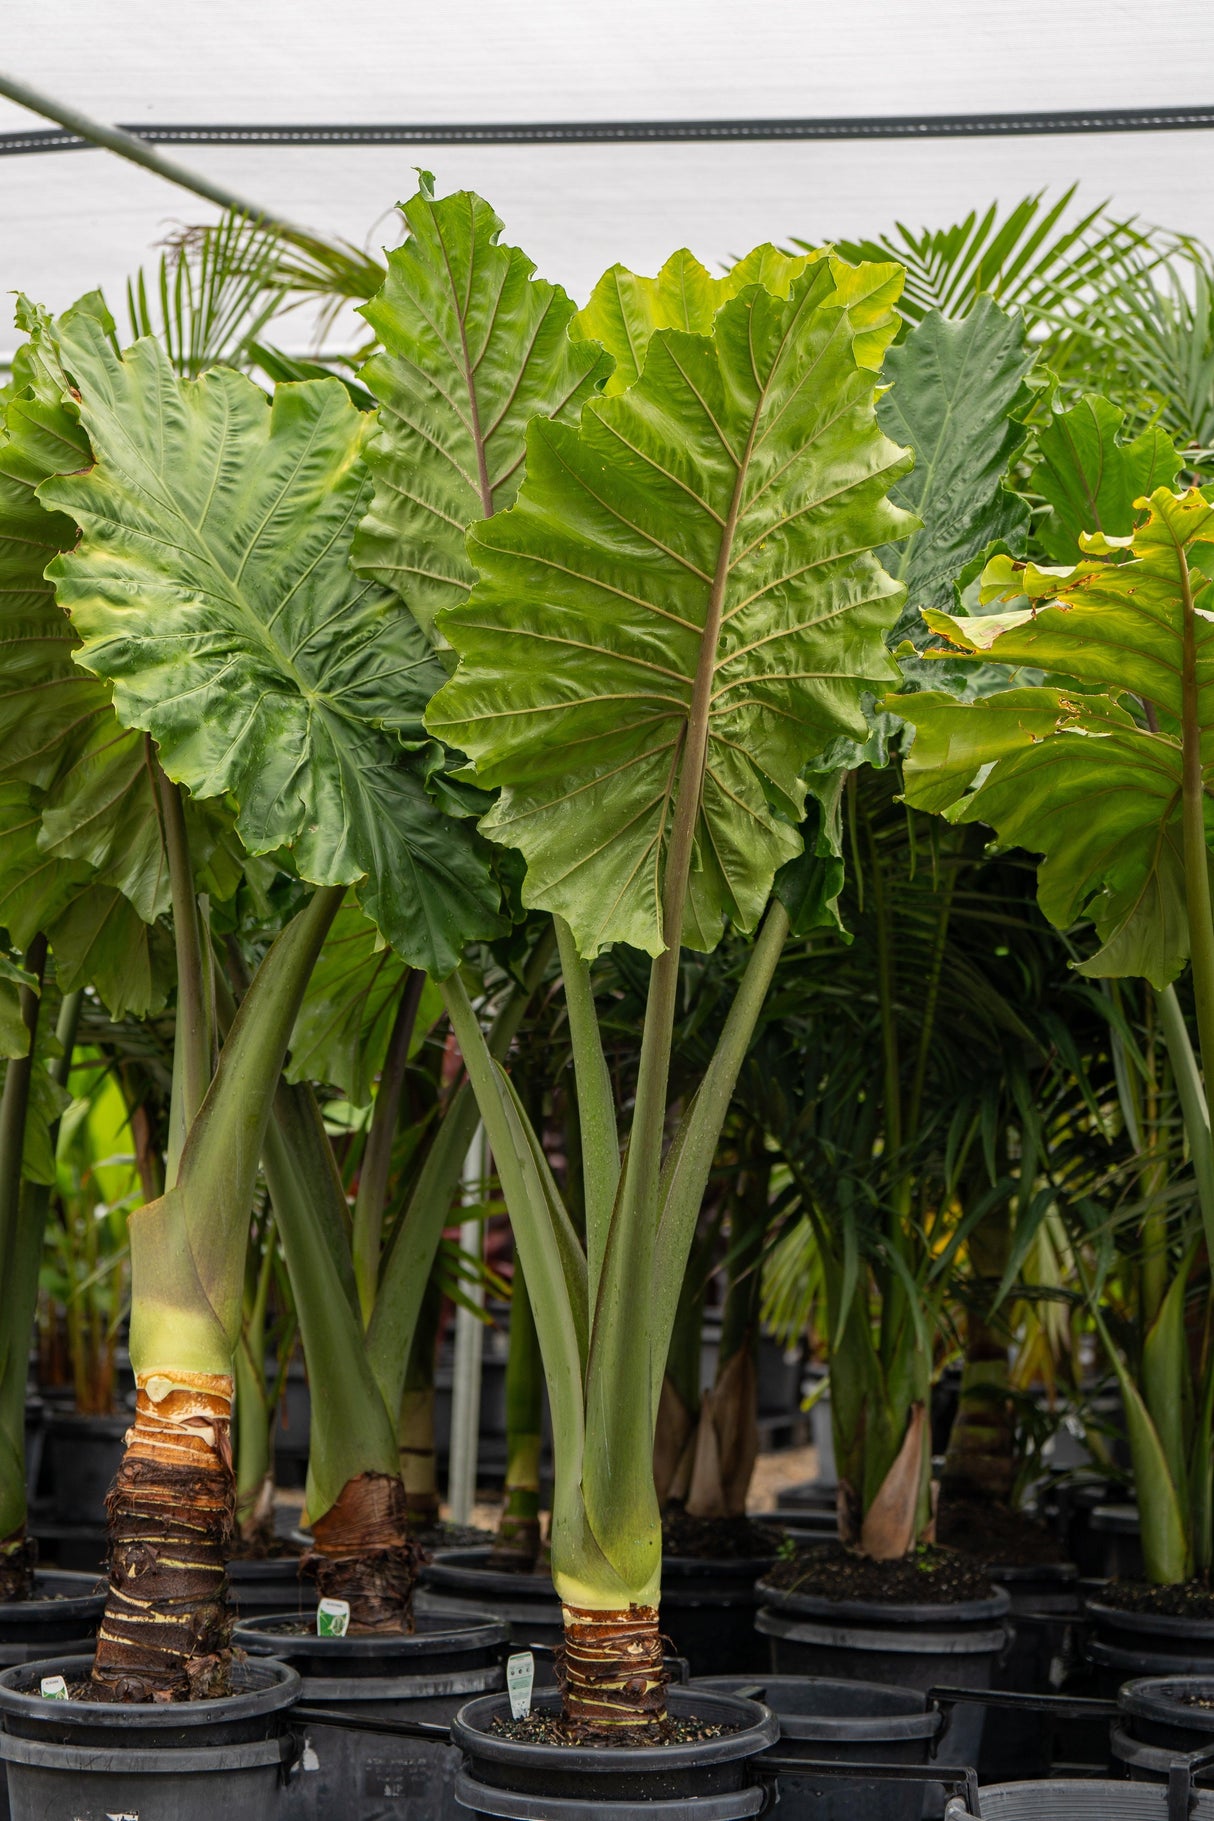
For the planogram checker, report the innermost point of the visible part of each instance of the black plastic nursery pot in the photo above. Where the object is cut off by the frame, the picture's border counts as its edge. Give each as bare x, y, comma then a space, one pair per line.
708, 1613
1125, 1646
815, 1524
274, 1585
83, 1454
1116, 1535
717, 1779
841, 1722
1044, 1612
1072, 1799
461, 1581
1162, 1717
61, 1619
72, 1548
907, 1644
181, 1761
425, 1675
708, 1607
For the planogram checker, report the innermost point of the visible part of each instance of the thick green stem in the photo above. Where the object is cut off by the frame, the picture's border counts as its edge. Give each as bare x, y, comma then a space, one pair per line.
194, 1039
518, 1532
405, 1271
377, 1158
1193, 1104
188, 1248
254, 1453
689, 1163
600, 1140
353, 1432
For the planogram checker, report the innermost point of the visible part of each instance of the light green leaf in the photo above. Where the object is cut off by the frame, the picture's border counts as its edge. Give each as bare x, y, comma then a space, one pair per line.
692, 565
94, 779
1076, 776
955, 389
625, 310
212, 589
98, 937
342, 1030
1091, 477
809, 886
474, 345
14, 1037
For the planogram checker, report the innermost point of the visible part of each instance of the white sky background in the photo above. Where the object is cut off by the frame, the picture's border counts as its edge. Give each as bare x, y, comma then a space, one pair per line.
70, 220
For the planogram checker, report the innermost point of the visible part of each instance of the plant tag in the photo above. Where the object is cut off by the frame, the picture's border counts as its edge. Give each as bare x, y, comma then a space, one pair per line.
54, 1688
333, 1618
520, 1675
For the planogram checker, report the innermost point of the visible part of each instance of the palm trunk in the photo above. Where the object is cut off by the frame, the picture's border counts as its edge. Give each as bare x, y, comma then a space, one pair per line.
980, 1459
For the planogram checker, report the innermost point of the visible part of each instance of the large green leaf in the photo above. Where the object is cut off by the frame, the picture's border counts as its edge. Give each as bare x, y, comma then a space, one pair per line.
14, 1033
626, 310
1080, 775
956, 389
1091, 477
342, 1030
474, 345
212, 589
57, 727
692, 564
98, 937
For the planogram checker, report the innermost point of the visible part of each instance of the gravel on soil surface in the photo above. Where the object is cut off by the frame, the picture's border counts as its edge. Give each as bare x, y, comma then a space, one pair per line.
554, 1729
1183, 1600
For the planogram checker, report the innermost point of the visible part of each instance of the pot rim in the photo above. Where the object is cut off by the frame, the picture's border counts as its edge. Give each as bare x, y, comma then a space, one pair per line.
457, 1631
469, 1730
914, 1722
939, 1616
76, 1605
1147, 1697
271, 1685
1157, 1624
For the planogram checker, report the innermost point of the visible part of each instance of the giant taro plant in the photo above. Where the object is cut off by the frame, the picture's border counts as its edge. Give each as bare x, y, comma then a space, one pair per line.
682, 609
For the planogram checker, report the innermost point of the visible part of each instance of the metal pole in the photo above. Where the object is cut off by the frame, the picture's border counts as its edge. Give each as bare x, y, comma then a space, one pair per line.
126, 145
469, 1347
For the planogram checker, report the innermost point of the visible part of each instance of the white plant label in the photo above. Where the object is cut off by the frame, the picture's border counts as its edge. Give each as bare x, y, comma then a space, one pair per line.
520, 1675
54, 1688
333, 1618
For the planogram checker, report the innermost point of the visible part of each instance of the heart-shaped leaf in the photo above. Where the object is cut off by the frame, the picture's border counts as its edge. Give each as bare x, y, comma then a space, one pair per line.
474, 346
212, 590
690, 571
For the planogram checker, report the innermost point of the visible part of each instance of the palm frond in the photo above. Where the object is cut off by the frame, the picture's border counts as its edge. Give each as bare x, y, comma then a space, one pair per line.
1028, 257
210, 294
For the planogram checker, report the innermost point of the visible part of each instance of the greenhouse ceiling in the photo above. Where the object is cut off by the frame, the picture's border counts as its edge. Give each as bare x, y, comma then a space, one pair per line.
73, 218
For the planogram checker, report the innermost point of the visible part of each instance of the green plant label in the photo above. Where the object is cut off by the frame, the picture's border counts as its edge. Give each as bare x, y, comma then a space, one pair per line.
54, 1688
333, 1618
520, 1675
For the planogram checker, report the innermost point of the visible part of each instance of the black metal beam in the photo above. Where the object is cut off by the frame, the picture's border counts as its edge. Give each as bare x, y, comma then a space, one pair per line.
654, 132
